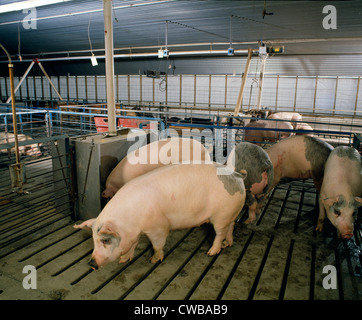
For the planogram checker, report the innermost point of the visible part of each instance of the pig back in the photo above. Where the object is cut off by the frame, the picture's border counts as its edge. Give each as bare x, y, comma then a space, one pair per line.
343, 171
187, 194
254, 160
317, 153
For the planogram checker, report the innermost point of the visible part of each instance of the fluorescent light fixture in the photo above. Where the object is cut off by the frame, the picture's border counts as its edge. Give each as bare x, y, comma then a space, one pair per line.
94, 60
28, 4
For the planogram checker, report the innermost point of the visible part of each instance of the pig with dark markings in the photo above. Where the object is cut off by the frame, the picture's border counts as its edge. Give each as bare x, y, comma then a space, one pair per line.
172, 197
257, 163
254, 131
152, 156
341, 190
299, 157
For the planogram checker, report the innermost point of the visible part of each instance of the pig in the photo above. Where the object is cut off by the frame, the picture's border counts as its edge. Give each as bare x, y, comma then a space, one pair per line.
260, 136
299, 157
141, 161
341, 190
304, 126
291, 116
172, 197
257, 163
30, 150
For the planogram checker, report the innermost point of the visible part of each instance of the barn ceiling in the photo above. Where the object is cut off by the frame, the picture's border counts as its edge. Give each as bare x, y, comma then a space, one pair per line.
71, 28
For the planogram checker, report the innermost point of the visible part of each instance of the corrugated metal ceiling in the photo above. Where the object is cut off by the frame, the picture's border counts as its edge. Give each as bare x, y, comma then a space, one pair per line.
64, 27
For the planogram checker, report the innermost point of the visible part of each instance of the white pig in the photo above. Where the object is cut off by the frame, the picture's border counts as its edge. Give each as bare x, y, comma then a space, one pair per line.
168, 198
291, 116
30, 150
141, 161
341, 190
254, 131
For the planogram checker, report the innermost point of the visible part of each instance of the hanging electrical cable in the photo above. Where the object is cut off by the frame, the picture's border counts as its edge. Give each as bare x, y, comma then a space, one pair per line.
93, 58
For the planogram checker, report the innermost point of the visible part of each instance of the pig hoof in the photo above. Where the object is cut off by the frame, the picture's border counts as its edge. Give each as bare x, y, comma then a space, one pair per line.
213, 251
156, 257
226, 243
125, 259
319, 227
249, 220
153, 259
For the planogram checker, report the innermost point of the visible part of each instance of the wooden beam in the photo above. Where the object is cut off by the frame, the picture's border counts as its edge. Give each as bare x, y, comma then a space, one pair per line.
243, 82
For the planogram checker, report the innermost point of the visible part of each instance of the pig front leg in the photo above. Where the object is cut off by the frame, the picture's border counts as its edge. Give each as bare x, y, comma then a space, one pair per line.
252, 213
128, 254
158, 240
321, 217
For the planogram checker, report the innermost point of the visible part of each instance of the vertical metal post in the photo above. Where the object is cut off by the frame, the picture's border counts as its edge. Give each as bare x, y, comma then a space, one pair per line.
86, 88
141, 89
195, 90
96, 88
209, 92
117, 86
295, 93
34, 84
129, 89
67, 81
355, 106
276, 94
153, 92
108, 34
76, 89
226, 90
335, 96
315, 93
261, 78
180, 101
166, 35
166, 91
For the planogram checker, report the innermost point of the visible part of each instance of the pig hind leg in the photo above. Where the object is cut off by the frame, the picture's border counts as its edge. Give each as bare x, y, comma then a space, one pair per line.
222, 233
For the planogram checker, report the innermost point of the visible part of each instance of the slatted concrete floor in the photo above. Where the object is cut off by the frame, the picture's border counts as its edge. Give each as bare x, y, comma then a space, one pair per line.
277, 257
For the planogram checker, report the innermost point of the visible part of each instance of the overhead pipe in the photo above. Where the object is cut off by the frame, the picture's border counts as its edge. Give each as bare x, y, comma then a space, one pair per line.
149, 55
201, 44
108, 42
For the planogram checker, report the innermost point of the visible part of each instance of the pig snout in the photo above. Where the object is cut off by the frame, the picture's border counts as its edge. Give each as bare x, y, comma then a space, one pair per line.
107, 194
347, 235
93, 264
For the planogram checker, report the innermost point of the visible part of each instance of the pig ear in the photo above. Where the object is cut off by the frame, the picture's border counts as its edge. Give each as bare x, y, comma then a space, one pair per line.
359, 200
86, 224
330, 200
108, 228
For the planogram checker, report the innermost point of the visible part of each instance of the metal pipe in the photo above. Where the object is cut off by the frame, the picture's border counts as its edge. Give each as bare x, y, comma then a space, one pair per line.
11, 76
108, 42
166, 36
50, 81
147, 55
